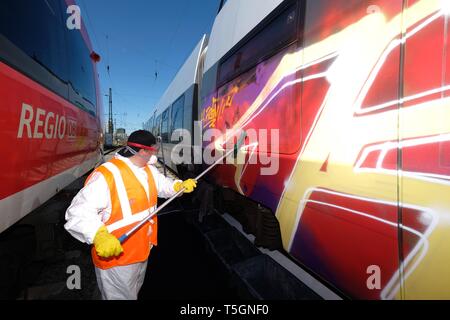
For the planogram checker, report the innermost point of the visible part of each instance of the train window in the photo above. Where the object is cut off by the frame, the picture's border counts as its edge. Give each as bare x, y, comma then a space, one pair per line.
178, 113
157, 127
81, 71
321, 22
37, 29
150, 123
280, 32
165, 126
277, 116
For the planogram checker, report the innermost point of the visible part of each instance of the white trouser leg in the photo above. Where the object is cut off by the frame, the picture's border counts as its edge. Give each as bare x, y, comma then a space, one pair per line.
121, 283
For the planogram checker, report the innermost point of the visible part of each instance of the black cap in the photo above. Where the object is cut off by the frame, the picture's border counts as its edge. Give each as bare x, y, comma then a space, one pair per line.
141, 137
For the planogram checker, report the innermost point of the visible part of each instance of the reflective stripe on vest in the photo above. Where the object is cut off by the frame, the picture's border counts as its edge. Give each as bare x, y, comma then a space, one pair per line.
130, 204
128, 217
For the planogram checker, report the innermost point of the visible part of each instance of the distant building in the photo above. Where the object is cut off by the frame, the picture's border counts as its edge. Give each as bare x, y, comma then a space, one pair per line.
121, 137
108, 140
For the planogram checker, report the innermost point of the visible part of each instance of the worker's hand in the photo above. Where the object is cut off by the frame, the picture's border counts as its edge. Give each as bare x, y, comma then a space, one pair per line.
189, 185
106, 244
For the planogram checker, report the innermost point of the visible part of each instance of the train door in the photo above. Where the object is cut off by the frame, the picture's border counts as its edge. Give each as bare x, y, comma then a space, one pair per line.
165, 131
177, 123
339, 211
425, 151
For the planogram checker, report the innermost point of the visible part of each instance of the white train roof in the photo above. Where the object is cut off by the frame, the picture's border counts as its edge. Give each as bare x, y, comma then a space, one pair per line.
234, 21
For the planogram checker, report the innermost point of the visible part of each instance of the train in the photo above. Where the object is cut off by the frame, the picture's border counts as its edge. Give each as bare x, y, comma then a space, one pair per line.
51, 104
356, 95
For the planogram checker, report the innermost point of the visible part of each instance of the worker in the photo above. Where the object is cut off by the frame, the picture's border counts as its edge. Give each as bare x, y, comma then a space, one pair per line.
116, 196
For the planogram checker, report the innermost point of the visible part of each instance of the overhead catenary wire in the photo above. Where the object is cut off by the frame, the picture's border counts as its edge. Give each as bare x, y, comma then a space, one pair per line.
169, 45
100, 44
108, 64
160, 63
167, 51
90, 23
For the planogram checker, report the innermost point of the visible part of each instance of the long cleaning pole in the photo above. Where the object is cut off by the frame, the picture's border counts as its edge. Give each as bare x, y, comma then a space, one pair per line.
126, 235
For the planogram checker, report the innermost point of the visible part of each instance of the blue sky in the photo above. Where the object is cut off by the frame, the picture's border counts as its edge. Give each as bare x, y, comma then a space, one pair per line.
137, 38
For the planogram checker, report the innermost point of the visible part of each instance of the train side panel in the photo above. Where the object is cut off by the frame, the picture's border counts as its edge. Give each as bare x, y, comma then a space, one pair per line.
360, 102
425, 156
178, 109
51, 109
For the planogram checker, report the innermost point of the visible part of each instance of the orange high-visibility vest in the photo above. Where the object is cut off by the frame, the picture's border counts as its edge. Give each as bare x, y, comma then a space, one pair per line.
130, 205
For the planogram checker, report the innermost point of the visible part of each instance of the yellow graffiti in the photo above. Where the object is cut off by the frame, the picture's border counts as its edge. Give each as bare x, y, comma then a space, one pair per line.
212, 113
341, 144
339, 136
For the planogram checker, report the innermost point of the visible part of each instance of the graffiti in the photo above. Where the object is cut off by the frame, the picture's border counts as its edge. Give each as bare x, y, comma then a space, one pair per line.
343, 183
211, 113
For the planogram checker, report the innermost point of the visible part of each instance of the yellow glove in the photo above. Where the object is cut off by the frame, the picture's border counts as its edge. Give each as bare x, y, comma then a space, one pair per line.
106, 244
189, 184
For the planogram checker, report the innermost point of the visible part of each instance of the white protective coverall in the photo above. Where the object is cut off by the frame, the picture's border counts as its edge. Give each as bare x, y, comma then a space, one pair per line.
91, 208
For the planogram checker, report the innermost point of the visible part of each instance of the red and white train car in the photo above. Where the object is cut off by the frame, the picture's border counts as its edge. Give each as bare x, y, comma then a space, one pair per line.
50, 124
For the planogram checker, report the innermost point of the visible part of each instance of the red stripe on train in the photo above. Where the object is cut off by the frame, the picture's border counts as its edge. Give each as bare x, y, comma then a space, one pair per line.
43, 134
